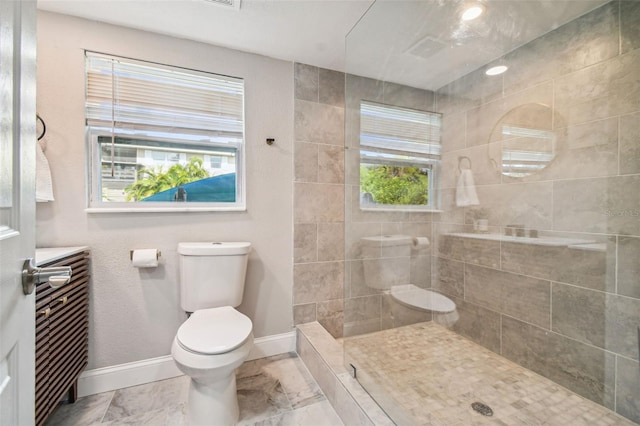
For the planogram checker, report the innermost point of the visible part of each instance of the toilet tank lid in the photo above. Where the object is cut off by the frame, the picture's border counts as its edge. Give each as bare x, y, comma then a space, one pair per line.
213, 248
215, 330
387, 240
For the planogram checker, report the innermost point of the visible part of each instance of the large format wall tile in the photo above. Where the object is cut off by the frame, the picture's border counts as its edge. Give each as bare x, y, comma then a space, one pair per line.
330, 164
305, 158
472, 250
331, 90
591, 264
601, 91
318, 203
586, 370
319, 123
468, 92
628, 389
479, 324
448, 276
606, 205
629, 28
306, 82
315, 282
330, 241
407, 97
330, 314
525, 298
630, 143
305, 242
628, 266
601, 319
585, 41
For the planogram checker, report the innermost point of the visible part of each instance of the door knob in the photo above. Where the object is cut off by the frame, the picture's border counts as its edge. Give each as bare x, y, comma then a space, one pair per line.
32, 275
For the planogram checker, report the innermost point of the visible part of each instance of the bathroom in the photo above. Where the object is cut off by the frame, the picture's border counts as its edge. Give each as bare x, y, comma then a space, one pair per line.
306, 223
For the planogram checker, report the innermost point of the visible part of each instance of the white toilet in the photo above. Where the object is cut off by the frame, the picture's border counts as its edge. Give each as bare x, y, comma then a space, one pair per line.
215, 339
387, 267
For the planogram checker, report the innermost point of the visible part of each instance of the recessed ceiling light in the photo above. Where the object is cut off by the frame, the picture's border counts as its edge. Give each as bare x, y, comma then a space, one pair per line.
472, 11
498, 69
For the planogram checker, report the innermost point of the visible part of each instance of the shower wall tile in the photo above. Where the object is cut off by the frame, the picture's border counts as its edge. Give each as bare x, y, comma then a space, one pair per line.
525, 298
305, 242
468, 92
364, 308
453, 131
629, 266
331, 90
585, 150
450, 212
448, 276
330, 241
306, 82
482, 120
305, 158
330, 315
471, 250
630, 144
354, 234
518, 203
318, 203
315, 282
407, 97
394, 314
303, 314
358, 88
628, 389
420, 273
584, 369
600, 91
585, 41
357, 284
319, 123
629, 28
479, 324
590, 264
605, 205
604, 320
330, 164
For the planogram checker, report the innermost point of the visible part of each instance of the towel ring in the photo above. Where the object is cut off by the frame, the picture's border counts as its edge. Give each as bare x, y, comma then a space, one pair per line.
460, 162
41, 126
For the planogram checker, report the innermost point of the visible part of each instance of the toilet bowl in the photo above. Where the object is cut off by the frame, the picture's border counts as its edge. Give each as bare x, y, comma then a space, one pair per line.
208, 347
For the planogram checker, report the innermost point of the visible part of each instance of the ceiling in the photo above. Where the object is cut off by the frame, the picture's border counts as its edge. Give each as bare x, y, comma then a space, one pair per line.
418, 43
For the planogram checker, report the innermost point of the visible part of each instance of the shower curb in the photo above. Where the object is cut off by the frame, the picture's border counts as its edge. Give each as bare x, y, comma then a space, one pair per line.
323, 356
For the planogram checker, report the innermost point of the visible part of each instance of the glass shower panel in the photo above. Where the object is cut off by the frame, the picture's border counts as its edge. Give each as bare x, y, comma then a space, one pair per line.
509, 286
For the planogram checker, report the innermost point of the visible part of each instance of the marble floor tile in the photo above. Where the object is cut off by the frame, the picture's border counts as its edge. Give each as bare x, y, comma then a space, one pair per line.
277, 390
84, 411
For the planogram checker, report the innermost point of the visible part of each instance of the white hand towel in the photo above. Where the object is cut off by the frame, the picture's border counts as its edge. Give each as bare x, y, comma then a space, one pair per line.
466, 194
44, 184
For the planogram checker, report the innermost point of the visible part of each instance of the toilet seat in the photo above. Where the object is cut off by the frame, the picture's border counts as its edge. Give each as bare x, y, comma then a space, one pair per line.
427, 300
214, 331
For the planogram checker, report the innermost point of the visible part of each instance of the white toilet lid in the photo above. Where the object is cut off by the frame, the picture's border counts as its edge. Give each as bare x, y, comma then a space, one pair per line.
214, 331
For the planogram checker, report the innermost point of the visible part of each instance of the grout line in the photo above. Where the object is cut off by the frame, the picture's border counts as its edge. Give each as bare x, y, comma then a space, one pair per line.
113, 393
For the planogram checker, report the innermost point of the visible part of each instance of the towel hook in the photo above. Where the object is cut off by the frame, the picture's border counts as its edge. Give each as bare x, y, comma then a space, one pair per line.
41, 126
463, 157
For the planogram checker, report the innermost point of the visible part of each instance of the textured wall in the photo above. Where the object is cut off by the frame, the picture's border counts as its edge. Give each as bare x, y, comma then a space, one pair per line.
135, 313
568, 312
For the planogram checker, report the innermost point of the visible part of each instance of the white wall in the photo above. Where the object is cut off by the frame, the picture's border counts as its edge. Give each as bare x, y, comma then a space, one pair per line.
135, 313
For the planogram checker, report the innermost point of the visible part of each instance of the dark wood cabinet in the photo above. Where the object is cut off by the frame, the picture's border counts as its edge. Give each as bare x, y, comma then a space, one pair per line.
62, 331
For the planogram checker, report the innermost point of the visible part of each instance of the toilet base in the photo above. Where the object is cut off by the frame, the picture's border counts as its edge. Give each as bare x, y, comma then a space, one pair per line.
213, 402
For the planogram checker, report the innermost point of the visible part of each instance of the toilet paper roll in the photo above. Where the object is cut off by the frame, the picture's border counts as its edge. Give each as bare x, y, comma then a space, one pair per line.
145, 258
420, 242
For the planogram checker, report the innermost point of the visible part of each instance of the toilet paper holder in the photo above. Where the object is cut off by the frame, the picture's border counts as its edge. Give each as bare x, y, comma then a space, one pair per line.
158, 254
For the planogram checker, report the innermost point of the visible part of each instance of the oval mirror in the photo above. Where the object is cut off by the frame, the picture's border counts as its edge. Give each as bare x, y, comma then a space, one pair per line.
523, 141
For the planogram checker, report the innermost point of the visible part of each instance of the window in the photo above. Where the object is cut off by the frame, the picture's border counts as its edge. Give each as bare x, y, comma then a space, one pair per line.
399, 152
162, 137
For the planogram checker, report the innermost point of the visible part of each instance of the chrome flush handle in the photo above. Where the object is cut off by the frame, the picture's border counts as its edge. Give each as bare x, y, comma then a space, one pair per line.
32, 275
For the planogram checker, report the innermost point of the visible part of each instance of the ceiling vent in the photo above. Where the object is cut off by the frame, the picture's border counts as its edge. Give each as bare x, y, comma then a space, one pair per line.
227, 4
426, 47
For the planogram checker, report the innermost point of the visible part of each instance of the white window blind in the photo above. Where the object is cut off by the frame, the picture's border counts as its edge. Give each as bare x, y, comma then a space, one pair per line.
391, 129
128, 94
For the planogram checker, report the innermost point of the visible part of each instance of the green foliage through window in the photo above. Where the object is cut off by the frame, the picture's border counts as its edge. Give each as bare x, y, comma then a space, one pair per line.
400, 185
154, 179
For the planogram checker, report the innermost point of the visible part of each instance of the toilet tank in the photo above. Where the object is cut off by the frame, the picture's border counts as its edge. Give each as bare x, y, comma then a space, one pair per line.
386, 260
212, 274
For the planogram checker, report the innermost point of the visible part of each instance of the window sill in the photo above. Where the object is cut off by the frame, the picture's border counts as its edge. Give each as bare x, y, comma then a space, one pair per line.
400, 209
100, 210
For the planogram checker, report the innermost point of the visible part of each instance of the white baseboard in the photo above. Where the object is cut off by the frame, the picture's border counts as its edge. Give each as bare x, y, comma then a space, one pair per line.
136, 373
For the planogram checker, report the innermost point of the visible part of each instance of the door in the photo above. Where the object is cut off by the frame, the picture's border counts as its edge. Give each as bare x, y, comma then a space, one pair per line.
17, 208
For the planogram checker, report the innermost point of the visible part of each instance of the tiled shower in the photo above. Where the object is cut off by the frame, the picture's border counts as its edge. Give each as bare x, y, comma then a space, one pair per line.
551, 282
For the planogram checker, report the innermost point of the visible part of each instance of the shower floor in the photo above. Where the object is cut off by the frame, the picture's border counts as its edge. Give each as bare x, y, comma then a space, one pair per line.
425, 374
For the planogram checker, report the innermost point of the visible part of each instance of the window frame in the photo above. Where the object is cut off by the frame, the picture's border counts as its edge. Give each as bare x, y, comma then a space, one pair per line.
198, 138
432, 164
